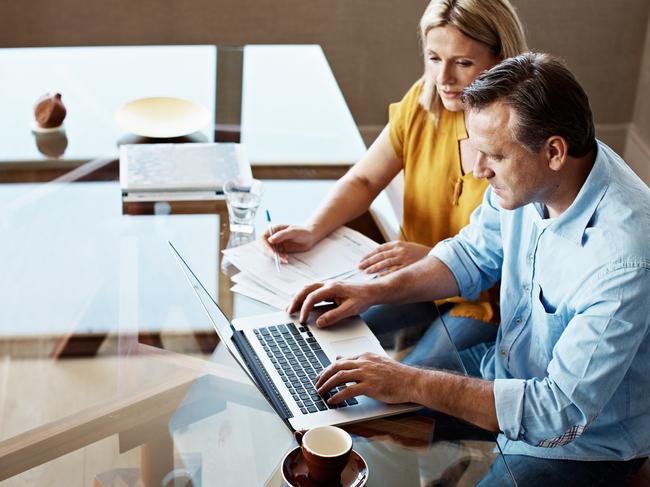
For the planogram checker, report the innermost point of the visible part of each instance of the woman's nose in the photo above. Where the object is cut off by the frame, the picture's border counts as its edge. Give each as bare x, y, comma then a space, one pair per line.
445, 75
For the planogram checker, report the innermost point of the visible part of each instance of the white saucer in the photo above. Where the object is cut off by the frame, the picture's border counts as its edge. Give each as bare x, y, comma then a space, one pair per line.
162, 117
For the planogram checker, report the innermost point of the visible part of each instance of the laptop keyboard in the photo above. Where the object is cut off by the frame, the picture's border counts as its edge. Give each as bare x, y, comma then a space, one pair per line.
298, 358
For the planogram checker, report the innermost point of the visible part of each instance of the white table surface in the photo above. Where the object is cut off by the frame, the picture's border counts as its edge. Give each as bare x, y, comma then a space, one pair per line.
293, 111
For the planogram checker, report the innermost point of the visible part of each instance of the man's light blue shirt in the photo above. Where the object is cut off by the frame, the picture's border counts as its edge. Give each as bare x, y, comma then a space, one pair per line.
571, 363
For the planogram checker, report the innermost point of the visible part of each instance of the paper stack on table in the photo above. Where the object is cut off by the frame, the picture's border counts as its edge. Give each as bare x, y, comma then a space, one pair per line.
336, 257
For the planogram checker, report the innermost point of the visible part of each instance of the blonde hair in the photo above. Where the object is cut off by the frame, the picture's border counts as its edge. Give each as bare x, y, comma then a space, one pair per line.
491, 22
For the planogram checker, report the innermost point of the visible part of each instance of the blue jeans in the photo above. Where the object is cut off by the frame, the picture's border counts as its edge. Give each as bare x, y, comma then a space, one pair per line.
544, 472
433, 349
385, 320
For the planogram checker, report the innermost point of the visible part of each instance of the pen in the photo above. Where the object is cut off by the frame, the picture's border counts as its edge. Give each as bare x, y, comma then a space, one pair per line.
275, 252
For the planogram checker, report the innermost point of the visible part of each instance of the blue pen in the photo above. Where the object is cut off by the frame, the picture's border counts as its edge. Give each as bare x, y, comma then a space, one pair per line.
275, 252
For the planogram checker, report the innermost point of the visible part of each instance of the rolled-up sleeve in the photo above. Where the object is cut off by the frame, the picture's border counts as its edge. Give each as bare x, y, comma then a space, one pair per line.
509, 402
475, 255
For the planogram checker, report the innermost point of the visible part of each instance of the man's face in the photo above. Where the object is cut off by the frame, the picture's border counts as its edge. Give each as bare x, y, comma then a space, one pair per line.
517, 176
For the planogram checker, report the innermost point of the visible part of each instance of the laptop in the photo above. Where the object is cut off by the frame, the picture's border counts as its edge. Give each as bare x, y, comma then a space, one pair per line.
283, 358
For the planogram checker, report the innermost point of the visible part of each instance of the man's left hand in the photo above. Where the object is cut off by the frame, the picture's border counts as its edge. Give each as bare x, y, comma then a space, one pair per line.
377, 376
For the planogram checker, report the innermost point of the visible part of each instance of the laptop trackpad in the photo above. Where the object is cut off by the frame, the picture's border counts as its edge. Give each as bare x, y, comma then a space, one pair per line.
354, 346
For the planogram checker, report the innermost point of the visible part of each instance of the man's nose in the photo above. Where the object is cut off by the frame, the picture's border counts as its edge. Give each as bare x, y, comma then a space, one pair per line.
481, 169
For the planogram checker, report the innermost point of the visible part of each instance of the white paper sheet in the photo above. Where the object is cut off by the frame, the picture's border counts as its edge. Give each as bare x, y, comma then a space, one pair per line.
262, 295
334, 258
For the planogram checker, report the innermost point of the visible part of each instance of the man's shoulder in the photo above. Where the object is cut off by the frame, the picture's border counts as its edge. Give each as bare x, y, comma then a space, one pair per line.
623, 178
623, 214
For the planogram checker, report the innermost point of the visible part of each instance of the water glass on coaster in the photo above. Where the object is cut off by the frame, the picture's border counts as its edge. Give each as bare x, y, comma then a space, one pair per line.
243, 197
326, 450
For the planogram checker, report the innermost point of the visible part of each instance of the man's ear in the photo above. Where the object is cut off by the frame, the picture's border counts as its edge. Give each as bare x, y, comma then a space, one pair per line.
557, 152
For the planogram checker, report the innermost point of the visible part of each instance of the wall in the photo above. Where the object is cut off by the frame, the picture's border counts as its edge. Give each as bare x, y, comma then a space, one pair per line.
372, 45
637, 149
602, 42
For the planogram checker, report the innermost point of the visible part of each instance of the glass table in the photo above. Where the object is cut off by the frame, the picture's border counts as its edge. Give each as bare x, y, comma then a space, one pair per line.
110, 371
281, 101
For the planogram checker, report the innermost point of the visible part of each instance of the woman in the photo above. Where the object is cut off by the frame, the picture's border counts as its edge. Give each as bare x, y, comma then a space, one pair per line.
425, 137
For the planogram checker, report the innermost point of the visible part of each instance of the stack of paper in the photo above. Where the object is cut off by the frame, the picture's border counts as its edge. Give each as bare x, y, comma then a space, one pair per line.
336, 257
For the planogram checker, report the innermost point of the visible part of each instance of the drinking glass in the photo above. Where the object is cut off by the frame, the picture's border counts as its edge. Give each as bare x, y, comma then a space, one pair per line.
243, 197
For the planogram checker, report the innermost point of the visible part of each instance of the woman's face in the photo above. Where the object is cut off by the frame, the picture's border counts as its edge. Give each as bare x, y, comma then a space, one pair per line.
454, 61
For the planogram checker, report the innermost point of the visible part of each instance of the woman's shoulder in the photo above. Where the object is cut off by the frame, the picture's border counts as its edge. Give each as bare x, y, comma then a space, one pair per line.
408, 109
412, 97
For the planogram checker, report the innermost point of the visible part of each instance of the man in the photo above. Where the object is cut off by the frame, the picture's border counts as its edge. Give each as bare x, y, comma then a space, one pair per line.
565, 226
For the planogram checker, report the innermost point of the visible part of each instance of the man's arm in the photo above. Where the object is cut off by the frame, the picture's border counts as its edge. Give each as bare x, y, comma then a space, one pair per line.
465, 265
386, 380
467, 398
424, 280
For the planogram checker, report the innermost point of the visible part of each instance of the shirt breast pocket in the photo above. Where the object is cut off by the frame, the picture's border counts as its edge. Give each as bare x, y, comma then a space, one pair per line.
547, 327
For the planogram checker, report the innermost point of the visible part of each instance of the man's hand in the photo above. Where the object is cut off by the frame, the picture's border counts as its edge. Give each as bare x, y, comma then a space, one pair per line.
350, 300
287, 239
391, 256
373, 375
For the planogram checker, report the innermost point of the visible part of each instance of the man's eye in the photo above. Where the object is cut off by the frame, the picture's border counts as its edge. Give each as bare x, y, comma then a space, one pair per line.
465, 64
434, 59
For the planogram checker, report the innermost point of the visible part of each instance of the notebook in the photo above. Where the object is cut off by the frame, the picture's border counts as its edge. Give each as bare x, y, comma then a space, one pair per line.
283, 358
180, 168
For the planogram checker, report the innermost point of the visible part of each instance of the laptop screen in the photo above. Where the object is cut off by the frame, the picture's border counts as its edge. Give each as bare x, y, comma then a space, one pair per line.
219, 320
236, 344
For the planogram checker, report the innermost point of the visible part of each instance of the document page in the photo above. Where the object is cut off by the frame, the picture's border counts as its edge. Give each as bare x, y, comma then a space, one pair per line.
336, 257
337, 254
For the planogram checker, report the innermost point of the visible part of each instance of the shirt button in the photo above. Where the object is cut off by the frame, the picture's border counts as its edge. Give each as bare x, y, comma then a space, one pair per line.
527, 288
518, 321
503, 352
530, 257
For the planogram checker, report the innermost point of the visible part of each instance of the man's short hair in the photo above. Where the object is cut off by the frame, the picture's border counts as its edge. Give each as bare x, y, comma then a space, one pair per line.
545, 96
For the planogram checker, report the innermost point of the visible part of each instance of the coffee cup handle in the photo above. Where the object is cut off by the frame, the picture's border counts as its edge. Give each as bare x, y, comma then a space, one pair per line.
298, 436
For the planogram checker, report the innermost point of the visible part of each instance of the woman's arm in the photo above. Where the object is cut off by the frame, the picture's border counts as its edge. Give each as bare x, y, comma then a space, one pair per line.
356, 190
350, 197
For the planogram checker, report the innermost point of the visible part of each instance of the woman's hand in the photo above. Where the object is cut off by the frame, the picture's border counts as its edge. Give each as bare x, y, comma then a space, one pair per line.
287, 239
391, 256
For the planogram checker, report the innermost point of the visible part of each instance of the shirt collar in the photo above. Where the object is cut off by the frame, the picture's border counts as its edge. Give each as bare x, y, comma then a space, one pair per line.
573, 222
